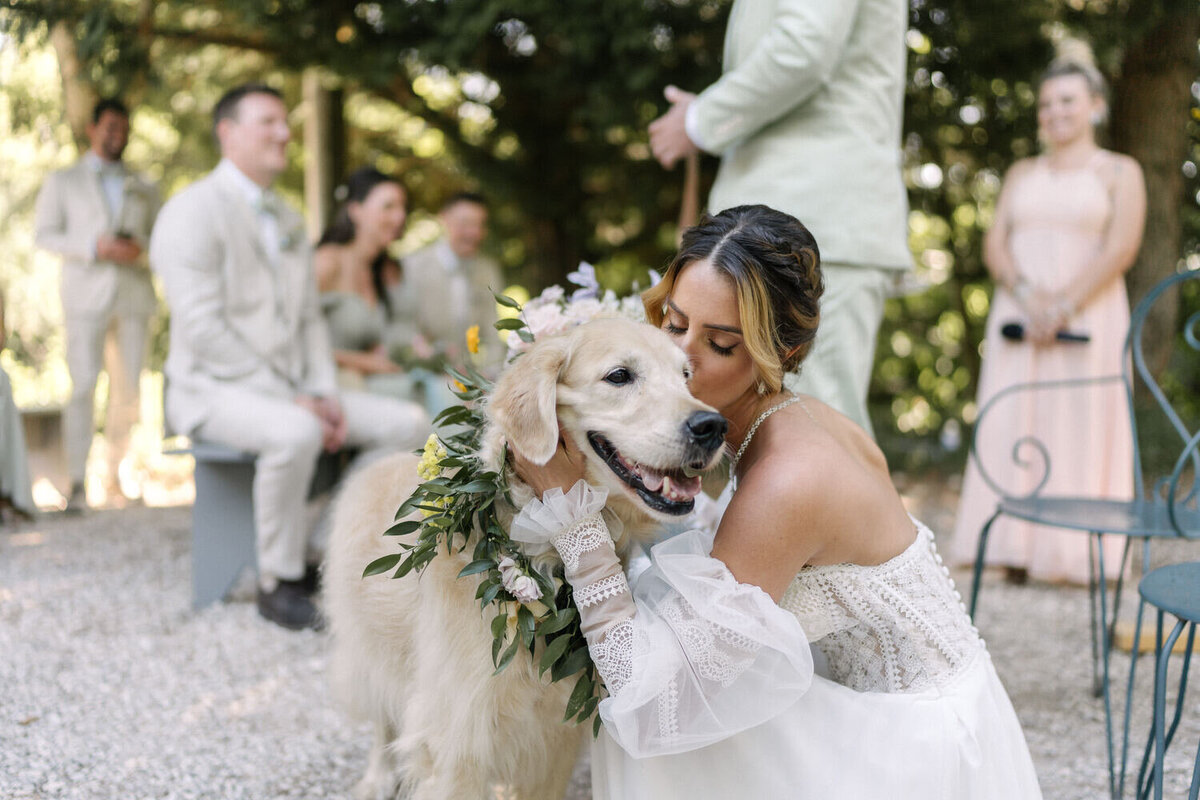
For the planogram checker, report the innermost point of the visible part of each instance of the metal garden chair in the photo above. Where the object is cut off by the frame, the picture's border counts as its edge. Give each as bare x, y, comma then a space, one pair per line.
1173, 589
1158, 511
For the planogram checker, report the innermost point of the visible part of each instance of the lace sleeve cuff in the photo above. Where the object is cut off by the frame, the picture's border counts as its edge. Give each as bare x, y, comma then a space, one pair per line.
542, 521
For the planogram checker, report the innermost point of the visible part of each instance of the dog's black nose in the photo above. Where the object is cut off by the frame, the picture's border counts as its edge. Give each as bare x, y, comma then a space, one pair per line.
707, 429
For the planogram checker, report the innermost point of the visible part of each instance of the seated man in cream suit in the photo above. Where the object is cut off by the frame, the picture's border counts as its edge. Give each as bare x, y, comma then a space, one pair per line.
807, 119
97, 215
250, 364
453, 283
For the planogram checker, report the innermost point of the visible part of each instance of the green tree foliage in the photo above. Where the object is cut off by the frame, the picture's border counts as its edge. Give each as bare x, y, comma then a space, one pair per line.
970, 113
543, 105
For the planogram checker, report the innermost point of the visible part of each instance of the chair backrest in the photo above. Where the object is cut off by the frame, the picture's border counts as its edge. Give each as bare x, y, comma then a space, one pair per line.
1135, 370
1032, 456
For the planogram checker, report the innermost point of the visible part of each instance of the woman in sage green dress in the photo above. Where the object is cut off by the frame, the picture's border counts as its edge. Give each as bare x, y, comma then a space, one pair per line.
369, 307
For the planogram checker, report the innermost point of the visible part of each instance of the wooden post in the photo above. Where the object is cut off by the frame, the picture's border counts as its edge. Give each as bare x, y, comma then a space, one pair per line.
324, 144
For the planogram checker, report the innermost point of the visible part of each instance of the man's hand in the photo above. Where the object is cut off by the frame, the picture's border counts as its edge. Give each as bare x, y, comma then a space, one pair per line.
381, 361
333, 422
118, 249
669, 141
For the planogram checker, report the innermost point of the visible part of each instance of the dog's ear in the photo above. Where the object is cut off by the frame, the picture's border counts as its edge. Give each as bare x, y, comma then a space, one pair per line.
523, 402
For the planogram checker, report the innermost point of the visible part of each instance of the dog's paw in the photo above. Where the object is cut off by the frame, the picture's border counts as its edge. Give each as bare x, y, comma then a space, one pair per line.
377, 787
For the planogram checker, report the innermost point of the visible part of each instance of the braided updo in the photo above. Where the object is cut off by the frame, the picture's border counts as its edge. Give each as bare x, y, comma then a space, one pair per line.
775, 267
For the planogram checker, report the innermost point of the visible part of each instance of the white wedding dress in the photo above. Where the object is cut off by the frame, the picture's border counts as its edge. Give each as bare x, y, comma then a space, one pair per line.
714, 695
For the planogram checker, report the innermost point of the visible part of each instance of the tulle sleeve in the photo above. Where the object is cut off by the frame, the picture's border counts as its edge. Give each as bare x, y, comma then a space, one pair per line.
692, 656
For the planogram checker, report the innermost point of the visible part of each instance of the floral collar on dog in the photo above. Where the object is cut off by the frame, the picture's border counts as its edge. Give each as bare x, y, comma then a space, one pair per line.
458, 493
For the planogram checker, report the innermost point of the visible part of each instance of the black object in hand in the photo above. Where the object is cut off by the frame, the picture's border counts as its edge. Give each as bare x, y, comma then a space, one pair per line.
1016, 332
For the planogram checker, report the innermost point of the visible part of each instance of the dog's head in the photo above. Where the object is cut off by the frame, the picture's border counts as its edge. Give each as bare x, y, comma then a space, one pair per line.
619, 390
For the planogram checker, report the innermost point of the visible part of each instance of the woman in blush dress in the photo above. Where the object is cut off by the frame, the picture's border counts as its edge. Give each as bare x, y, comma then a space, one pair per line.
369, 308
1068, 225
711, 685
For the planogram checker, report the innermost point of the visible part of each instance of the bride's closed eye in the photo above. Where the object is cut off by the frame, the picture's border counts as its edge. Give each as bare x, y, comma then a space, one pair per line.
674, 330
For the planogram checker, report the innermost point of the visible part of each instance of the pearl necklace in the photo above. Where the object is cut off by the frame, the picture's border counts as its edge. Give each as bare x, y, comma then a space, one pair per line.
750, 435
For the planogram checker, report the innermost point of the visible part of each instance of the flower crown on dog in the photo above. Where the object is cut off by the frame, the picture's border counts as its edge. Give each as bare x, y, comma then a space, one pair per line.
458, 494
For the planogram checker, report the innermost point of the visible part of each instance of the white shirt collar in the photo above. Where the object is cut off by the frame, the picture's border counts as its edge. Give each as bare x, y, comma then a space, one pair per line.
249, 189
99, 164
446, 255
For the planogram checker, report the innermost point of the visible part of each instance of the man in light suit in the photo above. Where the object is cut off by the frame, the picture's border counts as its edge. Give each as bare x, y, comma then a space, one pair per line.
97, 214
454, 282
250, 364
807, 119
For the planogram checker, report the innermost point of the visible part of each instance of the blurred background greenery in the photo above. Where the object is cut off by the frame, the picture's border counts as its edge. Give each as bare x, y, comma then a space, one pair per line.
543, 105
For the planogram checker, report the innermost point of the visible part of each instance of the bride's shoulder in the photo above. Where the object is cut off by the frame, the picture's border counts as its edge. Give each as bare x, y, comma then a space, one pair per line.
798, 478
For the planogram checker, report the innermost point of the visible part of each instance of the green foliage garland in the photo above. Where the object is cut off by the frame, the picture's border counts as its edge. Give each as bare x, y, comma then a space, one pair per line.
457, 506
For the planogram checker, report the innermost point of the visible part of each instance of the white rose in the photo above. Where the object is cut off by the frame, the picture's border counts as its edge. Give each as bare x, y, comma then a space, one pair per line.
525, 589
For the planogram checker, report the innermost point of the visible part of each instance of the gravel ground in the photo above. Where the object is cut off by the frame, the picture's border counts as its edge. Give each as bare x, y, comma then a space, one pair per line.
111, 687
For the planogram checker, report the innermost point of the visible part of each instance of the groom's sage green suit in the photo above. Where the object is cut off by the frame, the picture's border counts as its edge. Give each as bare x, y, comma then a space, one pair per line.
807, 119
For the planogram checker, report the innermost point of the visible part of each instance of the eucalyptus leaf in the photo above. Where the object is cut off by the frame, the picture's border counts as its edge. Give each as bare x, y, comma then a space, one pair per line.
579, 659
499, 624
483, 587
508, 656
589, 706
559, 621
506, 301
409, 505
403, 528
510, 324
579, 695
491, 593
525, 335
382, 564
478, 486
406, 567
475, 567
554, 651
526, 624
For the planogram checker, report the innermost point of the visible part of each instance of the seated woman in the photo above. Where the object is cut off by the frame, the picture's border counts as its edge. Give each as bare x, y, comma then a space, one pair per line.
712, 690
369, 308
15, 491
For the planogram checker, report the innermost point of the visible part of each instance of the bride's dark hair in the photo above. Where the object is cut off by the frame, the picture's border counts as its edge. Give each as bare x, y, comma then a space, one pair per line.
359, 184
775, 266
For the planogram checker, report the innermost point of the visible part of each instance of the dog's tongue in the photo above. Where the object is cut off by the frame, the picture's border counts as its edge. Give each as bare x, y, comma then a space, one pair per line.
652, 480
682, 488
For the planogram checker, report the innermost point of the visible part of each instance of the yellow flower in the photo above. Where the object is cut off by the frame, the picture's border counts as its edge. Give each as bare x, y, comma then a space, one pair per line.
473, 339
440, 502
430, 465
460, 386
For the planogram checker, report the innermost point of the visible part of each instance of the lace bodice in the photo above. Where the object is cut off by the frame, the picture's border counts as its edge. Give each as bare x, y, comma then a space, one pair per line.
899, 626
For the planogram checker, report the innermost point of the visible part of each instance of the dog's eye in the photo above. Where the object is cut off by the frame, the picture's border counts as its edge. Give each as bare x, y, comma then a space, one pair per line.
687, 373
619, 376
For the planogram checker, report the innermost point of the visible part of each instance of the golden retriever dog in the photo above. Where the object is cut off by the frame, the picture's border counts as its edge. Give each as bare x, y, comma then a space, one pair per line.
413, 655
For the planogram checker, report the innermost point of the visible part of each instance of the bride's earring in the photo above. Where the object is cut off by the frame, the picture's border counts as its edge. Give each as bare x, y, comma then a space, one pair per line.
761, 388
1097, 118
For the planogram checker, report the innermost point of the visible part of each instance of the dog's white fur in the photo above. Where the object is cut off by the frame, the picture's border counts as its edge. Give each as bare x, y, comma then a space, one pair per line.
414, 655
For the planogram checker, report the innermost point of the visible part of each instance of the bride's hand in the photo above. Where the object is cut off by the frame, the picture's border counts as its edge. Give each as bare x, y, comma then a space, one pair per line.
562, 471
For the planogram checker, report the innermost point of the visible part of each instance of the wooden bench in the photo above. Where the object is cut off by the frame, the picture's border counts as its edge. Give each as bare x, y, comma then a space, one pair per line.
223, 535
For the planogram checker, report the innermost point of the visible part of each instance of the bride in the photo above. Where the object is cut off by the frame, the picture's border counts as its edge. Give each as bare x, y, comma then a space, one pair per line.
707, 661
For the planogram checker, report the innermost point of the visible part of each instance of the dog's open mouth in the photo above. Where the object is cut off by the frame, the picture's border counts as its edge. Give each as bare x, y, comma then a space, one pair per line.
669, 492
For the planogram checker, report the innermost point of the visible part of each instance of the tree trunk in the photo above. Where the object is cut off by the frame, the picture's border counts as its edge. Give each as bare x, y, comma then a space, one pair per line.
325, 141
1151, 105
79, 95
555, 254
